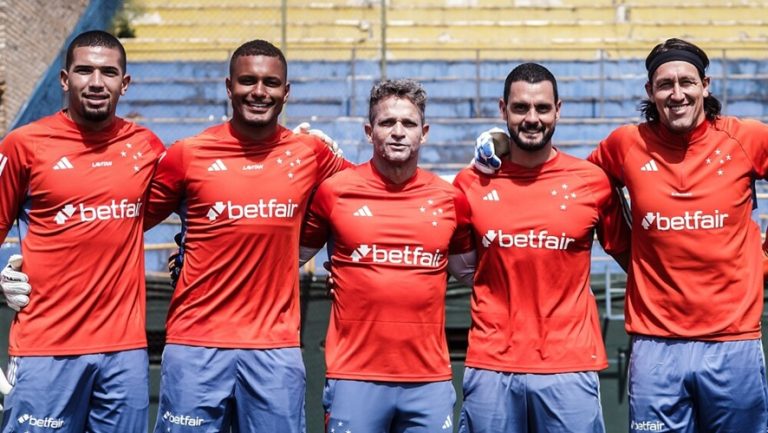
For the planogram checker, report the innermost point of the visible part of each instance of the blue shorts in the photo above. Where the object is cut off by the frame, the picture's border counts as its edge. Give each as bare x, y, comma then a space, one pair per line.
697, 386
99, 393
397, 407
531, 403
205, 389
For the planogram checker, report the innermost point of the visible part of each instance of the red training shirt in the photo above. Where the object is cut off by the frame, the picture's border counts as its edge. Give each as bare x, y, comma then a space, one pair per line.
82, 195
242, 204
532, 307
391, 244
696, 270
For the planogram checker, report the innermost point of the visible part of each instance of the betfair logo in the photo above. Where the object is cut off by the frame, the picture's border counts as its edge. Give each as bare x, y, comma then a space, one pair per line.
696, 220
646, 425
115, 210
64, 214
361, 252
263, 209
185, 420
532, 239
408, 255
47, 422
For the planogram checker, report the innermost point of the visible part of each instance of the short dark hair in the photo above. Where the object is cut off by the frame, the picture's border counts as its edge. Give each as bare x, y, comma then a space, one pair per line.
648, 108
406, 88
95, 38
531, 73
257, 47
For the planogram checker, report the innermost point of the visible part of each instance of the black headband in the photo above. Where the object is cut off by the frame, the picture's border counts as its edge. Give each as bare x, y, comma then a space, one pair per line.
671, 56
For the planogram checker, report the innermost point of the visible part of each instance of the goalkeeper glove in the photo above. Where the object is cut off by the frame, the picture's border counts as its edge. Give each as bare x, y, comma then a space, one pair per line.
15, 284
486, 160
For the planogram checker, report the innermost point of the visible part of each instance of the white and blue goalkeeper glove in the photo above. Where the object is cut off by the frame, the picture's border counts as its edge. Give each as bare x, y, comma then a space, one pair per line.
5, 386
15, 284
486, 160
16, 289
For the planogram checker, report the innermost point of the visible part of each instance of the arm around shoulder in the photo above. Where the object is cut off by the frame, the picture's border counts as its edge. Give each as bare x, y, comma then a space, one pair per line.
166, 189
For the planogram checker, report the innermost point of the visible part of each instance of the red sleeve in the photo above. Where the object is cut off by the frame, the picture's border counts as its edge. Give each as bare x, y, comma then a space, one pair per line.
14, 180
608, 156
167, 186
753, 138
462, 240
316, 227
461, 179
612, 229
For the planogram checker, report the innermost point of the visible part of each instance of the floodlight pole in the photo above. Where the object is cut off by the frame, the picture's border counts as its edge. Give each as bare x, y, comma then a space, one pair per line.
383, 62
284, 25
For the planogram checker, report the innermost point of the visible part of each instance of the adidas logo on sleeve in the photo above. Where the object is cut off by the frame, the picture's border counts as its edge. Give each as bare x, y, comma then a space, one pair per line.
364, 211
217, 165
491, 196
650, 166
63, 164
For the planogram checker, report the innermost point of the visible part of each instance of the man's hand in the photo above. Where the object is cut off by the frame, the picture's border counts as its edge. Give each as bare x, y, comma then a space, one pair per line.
5, 386
16, 288
489, 146
176, 260
330, 284
15, 284
304, 128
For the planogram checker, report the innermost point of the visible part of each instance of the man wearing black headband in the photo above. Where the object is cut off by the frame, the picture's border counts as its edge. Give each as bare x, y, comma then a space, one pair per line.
694, 289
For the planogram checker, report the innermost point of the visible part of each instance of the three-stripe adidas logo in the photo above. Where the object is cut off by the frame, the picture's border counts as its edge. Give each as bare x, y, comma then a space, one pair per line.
217, 166
492, 196
63, 164
448, 423
364, 211
650, 166
3, 161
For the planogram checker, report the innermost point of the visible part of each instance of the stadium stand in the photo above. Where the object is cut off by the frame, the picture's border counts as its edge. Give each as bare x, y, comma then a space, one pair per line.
459, 49
325, 29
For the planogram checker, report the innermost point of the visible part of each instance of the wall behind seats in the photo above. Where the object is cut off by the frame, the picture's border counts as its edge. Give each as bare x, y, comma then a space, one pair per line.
31, 34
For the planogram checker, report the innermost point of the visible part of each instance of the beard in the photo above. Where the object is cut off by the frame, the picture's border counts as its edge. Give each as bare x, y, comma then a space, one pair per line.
531, 146
97, 115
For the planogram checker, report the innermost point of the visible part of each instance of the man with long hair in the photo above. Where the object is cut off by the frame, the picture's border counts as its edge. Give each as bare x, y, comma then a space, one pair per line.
695, 281
695, 287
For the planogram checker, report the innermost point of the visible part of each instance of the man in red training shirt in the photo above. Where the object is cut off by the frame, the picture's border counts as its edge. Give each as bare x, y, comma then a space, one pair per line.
694, 290
535, 344
77, 181
396, 230
241, 188
695, 282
